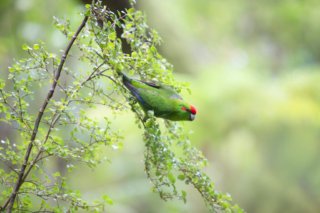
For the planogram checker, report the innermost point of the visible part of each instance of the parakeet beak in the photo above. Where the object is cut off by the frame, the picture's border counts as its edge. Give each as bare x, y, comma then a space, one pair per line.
192, 117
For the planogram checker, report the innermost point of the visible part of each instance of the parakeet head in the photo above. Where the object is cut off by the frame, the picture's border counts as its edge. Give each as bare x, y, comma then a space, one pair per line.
189, 111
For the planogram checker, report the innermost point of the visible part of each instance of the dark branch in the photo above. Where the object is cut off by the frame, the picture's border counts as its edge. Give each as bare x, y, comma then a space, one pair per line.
9, 203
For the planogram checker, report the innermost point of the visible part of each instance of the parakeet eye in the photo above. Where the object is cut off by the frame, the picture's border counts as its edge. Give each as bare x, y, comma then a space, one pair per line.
184, 109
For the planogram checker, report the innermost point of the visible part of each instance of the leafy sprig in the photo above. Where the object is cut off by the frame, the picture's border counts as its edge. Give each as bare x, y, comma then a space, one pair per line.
60, 129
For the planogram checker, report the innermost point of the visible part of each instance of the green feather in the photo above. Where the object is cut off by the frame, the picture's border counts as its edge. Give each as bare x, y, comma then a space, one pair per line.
163, 100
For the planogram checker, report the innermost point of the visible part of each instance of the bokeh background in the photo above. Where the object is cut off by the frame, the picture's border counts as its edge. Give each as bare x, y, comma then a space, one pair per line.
254, 73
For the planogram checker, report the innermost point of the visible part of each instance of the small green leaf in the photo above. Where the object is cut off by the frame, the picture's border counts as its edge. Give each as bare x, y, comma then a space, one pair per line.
25, 47
107, 199
171, 178
130, 10
56, 174
10, 76
36, 46
181, 177
112, 36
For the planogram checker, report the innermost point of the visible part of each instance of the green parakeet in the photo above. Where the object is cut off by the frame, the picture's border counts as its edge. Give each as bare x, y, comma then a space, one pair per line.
161, 99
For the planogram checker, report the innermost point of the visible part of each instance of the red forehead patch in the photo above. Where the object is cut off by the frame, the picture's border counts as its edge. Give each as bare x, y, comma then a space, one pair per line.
193, 110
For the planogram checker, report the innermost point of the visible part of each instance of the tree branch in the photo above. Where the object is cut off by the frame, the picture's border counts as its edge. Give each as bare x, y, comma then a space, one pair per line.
9, 203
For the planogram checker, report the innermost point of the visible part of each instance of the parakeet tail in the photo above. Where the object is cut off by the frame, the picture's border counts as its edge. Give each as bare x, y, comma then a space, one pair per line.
128, 83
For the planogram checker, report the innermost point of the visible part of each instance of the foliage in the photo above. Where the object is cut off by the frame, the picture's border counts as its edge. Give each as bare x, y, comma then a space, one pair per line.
171, 158
254, 68
62, 130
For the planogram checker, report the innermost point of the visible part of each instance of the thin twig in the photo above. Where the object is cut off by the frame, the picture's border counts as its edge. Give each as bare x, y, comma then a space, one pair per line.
9, 203
36, 159
55, 118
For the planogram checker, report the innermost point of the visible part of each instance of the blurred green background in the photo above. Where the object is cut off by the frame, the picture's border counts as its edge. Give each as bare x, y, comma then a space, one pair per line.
254, 69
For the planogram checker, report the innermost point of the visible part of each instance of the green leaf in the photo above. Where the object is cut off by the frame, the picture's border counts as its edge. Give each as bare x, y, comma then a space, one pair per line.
36, 46
25, 47
181, 177
130, 10
171, 178
10, 76
107, 199
112, 36
56, 174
